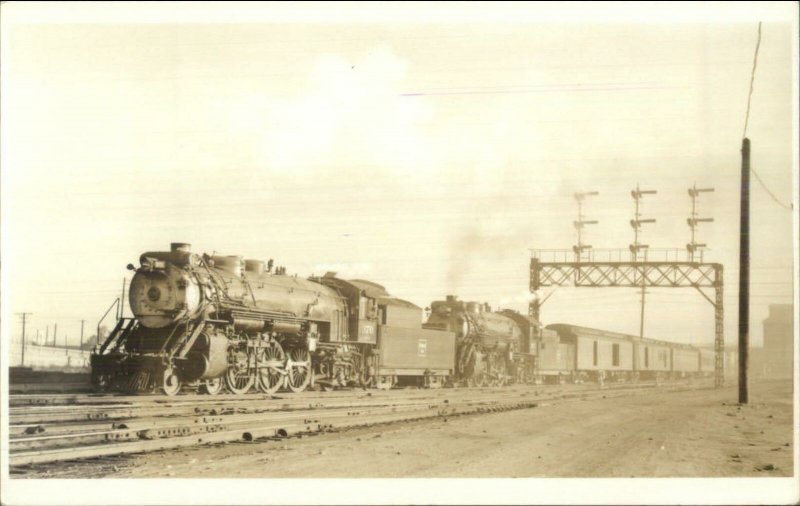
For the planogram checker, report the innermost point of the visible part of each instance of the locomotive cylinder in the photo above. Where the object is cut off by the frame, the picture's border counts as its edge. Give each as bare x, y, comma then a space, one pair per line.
208, 358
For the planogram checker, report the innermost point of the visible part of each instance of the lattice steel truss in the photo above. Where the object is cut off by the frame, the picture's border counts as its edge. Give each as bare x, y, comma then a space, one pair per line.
632, 274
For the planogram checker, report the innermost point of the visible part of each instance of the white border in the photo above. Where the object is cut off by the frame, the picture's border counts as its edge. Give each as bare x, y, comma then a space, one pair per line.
395, 491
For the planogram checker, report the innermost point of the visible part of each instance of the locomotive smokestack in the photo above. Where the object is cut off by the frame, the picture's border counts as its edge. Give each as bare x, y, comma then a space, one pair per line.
451, 298
180, 246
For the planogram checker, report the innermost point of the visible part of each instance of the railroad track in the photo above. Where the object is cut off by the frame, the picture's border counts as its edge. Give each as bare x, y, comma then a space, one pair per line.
75, 427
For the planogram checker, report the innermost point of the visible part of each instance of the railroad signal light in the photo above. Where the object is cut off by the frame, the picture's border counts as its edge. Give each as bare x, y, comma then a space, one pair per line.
694, 191
582, 195
580, 223
581, 248
637, 193
693, 221
638, 223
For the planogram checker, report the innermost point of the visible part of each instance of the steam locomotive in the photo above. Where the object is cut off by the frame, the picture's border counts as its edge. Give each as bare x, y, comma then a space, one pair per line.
225, 323
493, 348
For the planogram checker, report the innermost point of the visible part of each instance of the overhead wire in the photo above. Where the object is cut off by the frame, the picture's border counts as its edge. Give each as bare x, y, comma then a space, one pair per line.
747, 120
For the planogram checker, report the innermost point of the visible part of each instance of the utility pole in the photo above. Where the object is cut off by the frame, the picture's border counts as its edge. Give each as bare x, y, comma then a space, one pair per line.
82, 322
744, 271
693, 246
24, 321
55, 333
636, 224
122, 298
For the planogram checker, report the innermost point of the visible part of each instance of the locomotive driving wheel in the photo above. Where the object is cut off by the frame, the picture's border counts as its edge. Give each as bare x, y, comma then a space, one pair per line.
171, 383
298, 370
496, 376
238, 377
270, 362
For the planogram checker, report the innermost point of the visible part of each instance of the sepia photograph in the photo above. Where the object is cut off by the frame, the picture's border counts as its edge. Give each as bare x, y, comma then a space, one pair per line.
399, 253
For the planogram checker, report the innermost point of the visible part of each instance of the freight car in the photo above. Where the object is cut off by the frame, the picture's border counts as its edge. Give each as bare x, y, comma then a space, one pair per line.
222, 322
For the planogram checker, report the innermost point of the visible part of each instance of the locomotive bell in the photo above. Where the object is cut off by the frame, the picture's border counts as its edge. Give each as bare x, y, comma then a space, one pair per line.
160, 297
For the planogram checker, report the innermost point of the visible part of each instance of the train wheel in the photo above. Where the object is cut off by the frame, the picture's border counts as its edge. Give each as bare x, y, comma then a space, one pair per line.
477, 380
298, 370
238, 377
383, 382
102, 382
172, 382
212, 386
271, 362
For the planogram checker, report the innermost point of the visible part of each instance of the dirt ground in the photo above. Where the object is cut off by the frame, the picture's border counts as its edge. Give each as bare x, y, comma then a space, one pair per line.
700, 433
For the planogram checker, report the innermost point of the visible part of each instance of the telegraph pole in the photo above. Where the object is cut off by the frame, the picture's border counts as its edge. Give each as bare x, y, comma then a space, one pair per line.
122, 298
744, 271
55, 334
82, 322
24, 321
636, 224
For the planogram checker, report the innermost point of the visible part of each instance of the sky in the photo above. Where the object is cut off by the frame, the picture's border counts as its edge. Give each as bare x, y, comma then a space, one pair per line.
428, 155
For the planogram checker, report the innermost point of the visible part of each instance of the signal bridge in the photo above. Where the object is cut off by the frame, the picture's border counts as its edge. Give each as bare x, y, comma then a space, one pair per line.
660, 268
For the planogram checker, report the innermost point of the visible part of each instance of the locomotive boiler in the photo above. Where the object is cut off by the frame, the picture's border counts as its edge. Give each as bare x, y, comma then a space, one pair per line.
492, 348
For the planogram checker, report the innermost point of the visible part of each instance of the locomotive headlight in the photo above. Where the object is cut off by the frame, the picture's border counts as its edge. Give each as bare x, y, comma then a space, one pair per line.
159, 297
154, 293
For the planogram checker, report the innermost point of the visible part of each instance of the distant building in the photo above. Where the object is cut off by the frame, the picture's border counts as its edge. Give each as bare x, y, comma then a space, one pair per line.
778, 351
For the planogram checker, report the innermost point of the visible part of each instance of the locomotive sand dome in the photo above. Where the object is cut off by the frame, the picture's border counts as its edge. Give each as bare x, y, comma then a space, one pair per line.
224, 322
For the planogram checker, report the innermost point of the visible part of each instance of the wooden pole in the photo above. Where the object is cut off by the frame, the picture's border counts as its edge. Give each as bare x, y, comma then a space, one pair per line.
744, 272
